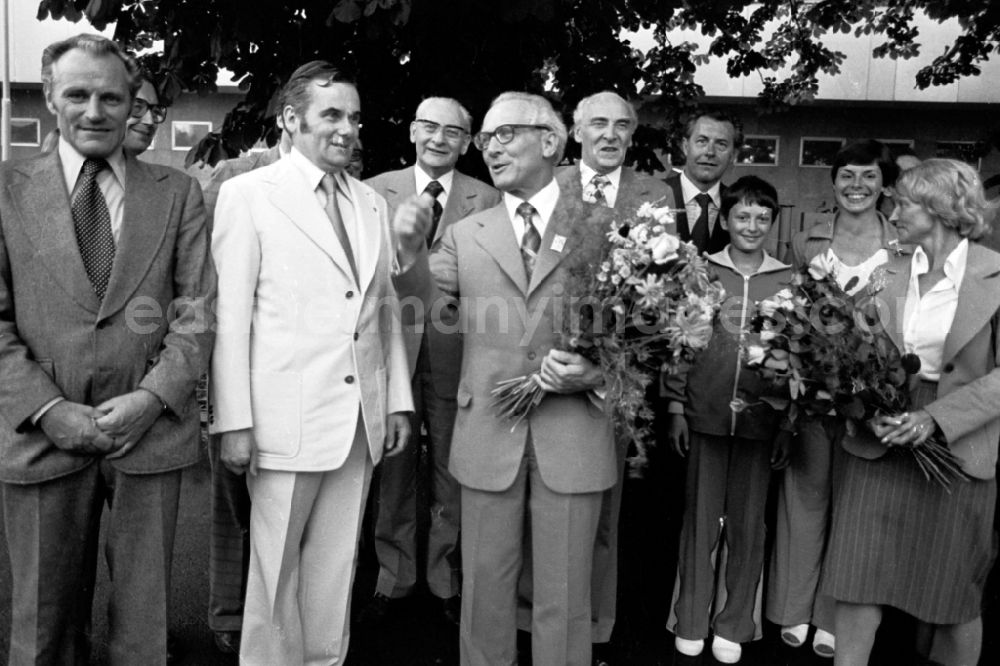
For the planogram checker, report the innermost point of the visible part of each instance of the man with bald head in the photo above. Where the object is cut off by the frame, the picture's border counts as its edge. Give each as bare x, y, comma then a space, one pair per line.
542, 478
440, 133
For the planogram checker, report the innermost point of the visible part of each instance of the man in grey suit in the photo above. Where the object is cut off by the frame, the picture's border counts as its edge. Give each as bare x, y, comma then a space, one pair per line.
603, 124
105, 326
440, 132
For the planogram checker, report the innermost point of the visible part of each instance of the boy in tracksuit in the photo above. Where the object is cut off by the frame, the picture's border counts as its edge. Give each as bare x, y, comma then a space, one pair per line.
731, 440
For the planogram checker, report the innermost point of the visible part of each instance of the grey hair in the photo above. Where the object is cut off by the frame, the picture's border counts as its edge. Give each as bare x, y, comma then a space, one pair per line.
544, 115
591, 99
462, 111
96, 45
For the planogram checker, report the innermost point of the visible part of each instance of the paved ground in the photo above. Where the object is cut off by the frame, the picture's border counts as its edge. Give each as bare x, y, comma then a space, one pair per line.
414, 635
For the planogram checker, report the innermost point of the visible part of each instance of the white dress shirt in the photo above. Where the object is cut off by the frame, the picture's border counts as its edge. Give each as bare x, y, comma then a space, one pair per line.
314, 177
928, 318
610, 190
422, 178
544, 202
688, 192
111, 182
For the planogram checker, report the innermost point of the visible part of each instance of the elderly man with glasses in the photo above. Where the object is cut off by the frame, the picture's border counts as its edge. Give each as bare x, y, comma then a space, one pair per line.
542, 479
440, 133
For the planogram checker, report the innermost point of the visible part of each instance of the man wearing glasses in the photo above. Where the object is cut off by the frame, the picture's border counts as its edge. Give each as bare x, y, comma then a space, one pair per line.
440, 133
540, 481
105, 326
147, 115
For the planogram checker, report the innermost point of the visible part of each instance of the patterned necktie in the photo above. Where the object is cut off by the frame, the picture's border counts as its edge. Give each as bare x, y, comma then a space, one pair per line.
599, 182
531, 240
699, 233
92, 223
329, 186
434, 189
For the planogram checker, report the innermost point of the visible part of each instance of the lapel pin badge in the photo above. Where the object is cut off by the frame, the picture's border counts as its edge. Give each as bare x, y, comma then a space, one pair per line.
558, 243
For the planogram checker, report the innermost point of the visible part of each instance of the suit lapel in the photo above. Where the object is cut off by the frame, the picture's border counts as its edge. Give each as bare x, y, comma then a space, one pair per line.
401, 186
496, 237
674, 182
292, 196
147, 212
461, 204
978, 300
893, 296
47, 221
568, 211
369, 233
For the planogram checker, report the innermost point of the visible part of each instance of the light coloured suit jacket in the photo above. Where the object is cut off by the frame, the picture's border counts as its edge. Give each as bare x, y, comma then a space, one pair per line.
967, 408
634, 189
509, 327
153, 330
301, 347
429, 314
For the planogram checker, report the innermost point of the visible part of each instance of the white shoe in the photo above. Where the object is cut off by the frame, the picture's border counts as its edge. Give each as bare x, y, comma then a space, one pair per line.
726, 652
795, 636
689, 648
824, 644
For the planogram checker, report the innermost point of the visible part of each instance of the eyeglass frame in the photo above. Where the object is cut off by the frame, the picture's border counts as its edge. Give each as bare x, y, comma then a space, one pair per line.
426, 126
141, 106
482, 139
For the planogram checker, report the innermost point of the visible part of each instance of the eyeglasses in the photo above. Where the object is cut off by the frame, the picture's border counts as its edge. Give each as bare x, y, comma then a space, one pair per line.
141, 106
504, 134
451, 132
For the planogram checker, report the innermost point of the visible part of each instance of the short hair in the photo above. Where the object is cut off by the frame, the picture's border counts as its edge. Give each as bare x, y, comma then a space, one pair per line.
296, 93
145, 76
951, 192
462, 111
581, 107
718, 116
95, 45
863, 153
544, 115
751, 190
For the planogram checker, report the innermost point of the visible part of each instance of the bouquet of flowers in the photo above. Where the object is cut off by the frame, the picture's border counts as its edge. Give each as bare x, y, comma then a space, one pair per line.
835, 359
639, 301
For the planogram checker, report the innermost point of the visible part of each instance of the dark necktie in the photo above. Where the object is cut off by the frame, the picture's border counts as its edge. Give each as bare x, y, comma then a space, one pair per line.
329, 186
600, 182
700, 232
531, 240
434, 189
92, 223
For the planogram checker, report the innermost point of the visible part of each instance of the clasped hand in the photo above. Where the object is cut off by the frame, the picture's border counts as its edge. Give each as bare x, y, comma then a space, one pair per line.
908, 429
113, 427
566, 372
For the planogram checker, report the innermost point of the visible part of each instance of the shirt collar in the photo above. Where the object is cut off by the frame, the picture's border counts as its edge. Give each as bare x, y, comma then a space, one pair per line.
769, 264
544, 202
422, 178
954, 265
689, 191
587, 174
314, 175
72, 163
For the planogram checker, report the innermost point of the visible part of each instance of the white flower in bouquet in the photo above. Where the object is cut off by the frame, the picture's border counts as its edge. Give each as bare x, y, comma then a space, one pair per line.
664, 248
768, 307
664, 215
821, 266
755, 354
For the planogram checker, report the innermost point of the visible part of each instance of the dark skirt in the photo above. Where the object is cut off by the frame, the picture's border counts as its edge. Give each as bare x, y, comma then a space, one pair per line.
900, 540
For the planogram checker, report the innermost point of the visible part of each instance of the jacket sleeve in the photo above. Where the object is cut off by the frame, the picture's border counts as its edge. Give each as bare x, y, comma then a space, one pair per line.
187, 345
236, 249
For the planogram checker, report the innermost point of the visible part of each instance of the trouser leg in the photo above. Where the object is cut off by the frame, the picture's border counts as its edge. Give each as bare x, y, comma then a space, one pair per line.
229, 544
52, 536
701, 536
443, 561
604, 583
741, 573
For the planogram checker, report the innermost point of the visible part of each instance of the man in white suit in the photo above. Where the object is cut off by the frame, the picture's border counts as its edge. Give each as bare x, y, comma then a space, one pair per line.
310, 381
441, 133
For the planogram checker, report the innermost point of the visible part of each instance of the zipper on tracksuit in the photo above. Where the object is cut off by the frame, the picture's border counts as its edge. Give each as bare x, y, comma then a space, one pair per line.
739, 354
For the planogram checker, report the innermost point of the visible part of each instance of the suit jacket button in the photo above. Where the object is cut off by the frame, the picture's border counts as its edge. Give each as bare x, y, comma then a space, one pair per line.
355, 336
349, 294
948, 367
531, 356
349, 379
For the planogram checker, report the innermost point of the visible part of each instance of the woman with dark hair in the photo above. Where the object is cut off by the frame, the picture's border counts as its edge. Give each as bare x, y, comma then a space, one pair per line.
854, 242
898, 539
